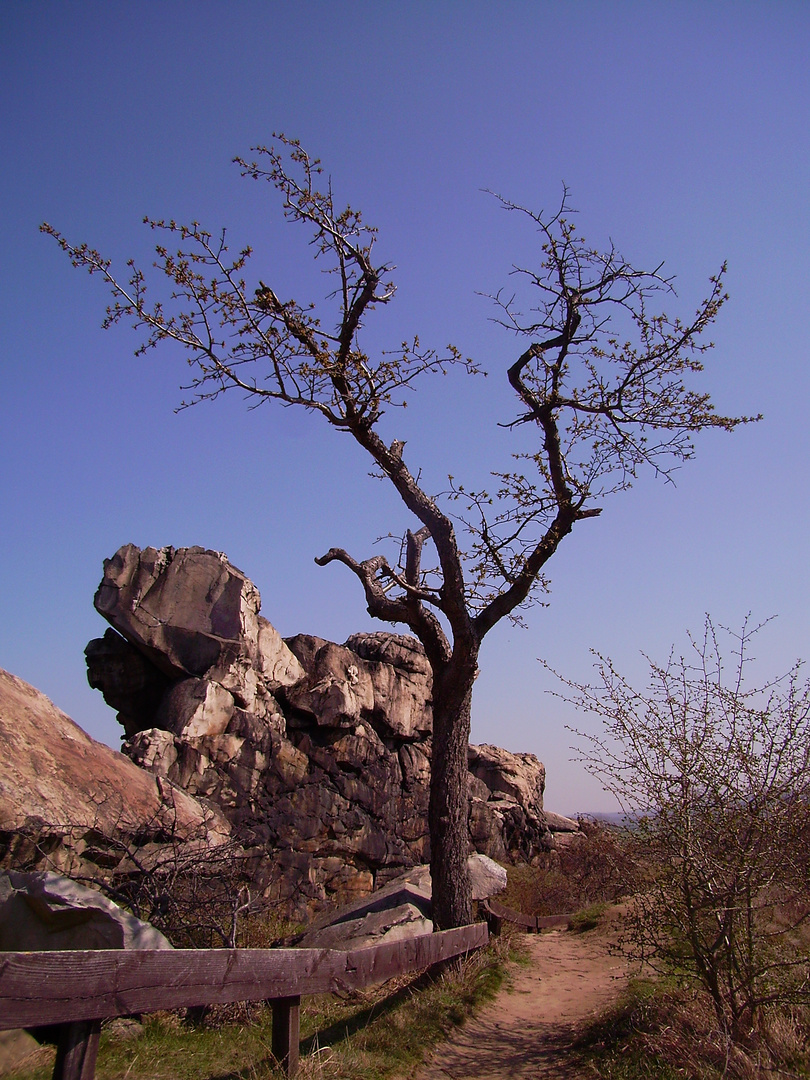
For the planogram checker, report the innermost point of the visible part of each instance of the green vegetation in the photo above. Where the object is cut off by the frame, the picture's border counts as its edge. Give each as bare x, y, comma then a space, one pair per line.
367, 1035
587, 918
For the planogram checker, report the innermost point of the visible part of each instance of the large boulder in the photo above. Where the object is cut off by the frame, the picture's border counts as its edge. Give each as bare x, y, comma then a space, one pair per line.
46, 911
191, 612
69, 802
517, 777
402, 908
374, 927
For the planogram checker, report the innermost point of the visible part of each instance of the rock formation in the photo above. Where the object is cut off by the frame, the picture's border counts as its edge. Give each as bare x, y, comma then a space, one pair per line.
70, 803
402, 908
316, 753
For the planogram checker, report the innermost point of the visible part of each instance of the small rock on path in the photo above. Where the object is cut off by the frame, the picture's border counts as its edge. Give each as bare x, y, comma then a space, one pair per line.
528, 1029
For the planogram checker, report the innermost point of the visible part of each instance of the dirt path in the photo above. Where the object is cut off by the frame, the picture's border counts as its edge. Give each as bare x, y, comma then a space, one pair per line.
527, 1030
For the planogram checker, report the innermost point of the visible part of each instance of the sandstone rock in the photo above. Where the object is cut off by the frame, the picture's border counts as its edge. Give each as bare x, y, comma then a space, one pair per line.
193, 708
277, 665
477, 788
167, 605
317, 754
559, 824
374, 928
306, 883
402, 682
402, 908
129, 682
123, 1029
399, 650
337, 689
45, 911
486, 830
154, 750
190, 612
520, 777
401, 702
305, 648
403, 905
289, 764
54, 772
384, 678
415, 764
486, 876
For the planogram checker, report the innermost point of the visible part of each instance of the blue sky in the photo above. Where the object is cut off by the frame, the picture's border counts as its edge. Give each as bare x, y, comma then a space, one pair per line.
682, 131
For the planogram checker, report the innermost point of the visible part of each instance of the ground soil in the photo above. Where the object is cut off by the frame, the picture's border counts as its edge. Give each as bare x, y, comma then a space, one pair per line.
528, 1029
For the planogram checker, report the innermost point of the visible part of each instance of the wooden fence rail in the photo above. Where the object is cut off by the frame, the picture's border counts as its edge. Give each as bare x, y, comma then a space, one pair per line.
497, 914
78, 989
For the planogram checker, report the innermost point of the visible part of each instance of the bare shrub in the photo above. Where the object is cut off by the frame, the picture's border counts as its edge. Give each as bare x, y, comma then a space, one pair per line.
195, 887
673, 1032
594, 866
717, 770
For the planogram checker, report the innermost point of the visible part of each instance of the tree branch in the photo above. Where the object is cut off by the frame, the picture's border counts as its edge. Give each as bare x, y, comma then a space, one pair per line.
399, 610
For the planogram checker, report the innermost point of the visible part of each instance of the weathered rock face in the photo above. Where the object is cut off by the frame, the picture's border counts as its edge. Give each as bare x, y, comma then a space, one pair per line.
506, 798
131, 684
317, 753
71, 803
191, 613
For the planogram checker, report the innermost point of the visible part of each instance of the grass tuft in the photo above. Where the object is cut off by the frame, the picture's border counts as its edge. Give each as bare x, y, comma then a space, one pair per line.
587, 918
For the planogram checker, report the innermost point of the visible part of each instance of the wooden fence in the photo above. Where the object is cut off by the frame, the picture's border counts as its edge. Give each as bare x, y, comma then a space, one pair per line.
77, 989
497, 914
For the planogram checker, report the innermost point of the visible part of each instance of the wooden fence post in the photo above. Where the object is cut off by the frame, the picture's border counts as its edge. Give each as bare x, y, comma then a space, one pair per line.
286, 1032
76, 1051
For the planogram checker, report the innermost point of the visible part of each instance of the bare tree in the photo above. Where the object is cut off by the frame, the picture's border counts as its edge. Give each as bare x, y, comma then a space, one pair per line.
715, 770
601, 409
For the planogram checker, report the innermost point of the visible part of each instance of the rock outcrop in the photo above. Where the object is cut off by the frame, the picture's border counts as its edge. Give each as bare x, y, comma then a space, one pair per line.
71, 803
506, 799
316, 754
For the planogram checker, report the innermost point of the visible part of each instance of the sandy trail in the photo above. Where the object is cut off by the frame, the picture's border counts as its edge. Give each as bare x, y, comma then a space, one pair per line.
527, 1030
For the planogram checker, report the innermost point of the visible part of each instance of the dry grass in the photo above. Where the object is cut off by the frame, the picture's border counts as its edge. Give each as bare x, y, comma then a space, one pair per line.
659, 1032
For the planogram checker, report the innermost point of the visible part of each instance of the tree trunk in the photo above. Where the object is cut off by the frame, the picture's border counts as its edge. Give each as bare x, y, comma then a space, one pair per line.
449, 796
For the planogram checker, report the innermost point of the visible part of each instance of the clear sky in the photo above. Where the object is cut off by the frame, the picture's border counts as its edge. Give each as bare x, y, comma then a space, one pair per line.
682, 131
